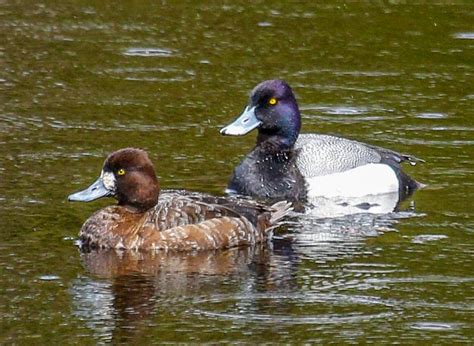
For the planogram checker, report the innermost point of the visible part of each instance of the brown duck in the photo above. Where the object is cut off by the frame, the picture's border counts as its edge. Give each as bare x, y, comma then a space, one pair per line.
178, 220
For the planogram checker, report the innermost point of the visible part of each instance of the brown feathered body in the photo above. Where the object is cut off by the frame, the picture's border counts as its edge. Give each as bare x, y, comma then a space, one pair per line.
183, 221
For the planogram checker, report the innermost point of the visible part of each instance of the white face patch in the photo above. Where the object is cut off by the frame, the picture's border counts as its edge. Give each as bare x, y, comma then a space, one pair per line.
109, 181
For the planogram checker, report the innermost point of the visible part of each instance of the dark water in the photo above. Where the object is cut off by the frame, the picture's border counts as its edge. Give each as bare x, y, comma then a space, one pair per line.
80, 80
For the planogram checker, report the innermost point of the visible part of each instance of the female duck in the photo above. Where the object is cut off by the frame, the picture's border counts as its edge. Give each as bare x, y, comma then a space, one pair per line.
287, 165
178, 221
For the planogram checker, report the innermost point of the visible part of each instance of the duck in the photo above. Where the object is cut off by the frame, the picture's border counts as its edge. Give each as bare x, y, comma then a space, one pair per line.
178, 220
285, 164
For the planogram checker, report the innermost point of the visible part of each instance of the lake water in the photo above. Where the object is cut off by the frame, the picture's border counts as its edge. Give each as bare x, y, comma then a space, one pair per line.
81, 79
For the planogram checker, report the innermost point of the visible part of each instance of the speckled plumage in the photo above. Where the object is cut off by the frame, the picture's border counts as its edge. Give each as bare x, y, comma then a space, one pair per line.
274, 176
273, 110
317, 154
182, 222
179, 221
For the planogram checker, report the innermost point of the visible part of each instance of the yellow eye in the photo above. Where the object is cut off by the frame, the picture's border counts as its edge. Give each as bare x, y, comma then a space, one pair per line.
273, 101
121, 171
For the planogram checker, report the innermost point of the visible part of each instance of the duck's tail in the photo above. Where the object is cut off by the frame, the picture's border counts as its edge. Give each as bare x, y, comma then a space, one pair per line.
408, 185
279, 211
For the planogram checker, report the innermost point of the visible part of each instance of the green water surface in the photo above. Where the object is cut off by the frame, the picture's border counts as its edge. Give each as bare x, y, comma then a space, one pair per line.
80, 79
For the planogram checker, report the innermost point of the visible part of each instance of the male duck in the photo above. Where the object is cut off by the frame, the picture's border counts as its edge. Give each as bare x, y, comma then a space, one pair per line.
287, 165
179, 221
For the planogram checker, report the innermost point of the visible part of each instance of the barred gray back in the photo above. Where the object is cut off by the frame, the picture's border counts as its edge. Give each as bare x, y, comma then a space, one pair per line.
324, 154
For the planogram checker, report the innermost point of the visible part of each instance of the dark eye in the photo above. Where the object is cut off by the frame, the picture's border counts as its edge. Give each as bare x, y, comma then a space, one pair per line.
273, 101
121, 171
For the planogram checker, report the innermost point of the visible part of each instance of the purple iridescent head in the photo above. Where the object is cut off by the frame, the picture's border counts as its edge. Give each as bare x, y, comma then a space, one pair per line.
272, 108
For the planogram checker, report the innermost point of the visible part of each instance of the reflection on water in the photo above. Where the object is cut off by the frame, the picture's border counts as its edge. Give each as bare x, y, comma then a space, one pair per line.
268, 285
152, 52
142, 282
464, 35
339, 206
264, 281
114, 263
94, 304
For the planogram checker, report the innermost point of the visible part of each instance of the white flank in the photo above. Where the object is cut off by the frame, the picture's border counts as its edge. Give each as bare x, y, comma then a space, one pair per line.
370, 179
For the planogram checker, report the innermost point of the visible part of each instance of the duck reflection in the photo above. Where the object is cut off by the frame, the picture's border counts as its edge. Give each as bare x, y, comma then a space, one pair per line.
127, 290
115, 263
322, 207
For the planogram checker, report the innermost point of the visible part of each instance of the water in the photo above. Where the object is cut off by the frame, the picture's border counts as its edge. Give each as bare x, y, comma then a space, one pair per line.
80, 80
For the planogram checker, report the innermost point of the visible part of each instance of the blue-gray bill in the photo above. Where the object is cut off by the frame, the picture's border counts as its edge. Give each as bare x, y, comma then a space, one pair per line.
95, 191
245, 123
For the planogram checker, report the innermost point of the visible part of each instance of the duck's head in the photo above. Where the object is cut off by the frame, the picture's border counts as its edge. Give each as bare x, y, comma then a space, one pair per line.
273, 110
127, 175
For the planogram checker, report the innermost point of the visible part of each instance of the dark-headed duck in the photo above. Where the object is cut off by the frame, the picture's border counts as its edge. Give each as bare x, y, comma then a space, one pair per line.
178, 220
288, 165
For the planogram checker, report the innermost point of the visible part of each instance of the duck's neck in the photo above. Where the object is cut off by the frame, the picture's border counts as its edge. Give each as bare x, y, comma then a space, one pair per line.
274, 142
133, 209
283, 134
139, 200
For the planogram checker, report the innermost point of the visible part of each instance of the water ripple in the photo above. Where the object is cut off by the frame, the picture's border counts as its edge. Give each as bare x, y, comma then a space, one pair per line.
349, 73
431, 115
246, 308
156, 74
344, 114
436, 326
464, 35
14, 121
149, 52
422, 279
320, 319
425, 238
